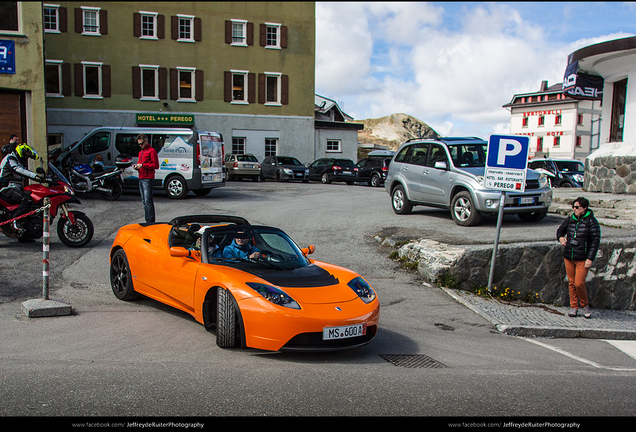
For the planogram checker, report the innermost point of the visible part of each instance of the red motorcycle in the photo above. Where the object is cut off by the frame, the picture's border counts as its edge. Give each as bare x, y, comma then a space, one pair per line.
74, 228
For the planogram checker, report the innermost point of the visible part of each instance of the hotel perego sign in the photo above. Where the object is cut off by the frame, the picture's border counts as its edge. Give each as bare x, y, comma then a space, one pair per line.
165, 118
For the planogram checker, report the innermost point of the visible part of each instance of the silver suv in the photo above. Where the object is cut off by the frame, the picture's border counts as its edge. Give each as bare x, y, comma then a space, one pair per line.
449, 173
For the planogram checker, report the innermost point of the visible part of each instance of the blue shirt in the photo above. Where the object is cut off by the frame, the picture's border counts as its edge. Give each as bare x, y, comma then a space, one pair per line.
242, 252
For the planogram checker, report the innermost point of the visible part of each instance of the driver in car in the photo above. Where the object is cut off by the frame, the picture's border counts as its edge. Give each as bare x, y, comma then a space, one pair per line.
241, 248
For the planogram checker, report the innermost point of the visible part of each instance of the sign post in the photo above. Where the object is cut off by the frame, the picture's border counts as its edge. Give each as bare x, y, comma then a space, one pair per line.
506, 169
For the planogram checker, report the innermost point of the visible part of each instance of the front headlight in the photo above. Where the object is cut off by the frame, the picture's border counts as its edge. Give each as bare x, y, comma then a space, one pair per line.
362, 289
578, 177
288, 171
69, 190
274, 295
543, 181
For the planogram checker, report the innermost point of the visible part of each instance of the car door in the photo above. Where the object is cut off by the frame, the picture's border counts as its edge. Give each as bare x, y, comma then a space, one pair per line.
315, 169
412, 170
268, 167
435, 181
364, 169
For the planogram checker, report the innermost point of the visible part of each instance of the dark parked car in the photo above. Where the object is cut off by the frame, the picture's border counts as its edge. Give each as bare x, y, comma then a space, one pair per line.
561, 172
283, 168
327, 170
373, 170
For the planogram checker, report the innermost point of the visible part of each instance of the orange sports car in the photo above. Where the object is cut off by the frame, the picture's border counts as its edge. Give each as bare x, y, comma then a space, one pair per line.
251, 283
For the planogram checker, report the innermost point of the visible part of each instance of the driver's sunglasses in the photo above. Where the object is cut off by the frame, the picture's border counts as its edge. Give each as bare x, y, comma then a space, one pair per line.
576, 207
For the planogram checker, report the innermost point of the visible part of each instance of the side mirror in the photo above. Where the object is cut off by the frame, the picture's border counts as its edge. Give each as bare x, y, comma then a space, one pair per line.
308, 250
179, 251
440, 165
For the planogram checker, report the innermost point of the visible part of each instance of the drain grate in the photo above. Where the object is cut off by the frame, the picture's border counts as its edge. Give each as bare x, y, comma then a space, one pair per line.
412, 361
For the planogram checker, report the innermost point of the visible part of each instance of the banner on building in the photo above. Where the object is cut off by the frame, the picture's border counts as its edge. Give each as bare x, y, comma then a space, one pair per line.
580, 85
7, 56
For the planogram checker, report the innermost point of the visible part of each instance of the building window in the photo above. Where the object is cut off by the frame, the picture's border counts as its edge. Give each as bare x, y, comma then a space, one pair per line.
557, 119
271, 146
541, 120
148, 25
91, 21
149, 82
539, 144
92, 80
51, 18
239, 32
53, 78
238, 145
557, 141
333, 146
239, 86
617, 120
9, 21
186, 84
524, 122
579, 141
270, 88
186, 28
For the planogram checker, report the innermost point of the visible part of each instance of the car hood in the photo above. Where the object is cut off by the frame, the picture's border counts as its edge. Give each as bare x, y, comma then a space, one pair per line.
293, 167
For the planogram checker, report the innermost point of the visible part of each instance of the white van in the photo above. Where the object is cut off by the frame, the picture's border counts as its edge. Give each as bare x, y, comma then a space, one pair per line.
188, 160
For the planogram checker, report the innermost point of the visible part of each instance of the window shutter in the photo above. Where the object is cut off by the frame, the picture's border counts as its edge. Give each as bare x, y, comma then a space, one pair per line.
66, 79
174, 27
228, 32
163, 83
106, 87
103, 22
79, 25
262, 35
63, 19
261, 88
161, 26
251, 84
136, 82
227, 86
79, 80
174, 84
250, 33
136, 24
198, 85
284, 91
283, 37
197, 29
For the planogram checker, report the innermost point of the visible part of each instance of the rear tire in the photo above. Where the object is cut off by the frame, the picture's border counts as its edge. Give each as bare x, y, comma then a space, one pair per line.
115, 194
399, 201
227, 329
121, 278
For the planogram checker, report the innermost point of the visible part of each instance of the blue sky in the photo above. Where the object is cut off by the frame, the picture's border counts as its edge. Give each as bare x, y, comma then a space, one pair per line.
453, 64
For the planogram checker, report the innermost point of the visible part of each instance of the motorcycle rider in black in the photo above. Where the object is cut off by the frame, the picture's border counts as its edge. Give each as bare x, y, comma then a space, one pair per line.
12, 173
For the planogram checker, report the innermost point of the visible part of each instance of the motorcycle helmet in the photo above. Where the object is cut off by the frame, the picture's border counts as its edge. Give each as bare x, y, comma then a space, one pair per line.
25, 151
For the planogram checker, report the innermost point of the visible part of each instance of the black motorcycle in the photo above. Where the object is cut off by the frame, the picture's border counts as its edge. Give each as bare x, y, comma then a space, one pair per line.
95, 177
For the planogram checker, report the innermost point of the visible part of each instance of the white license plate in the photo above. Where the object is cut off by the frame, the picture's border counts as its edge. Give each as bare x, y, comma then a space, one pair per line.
529, 200
248, 166
344, 332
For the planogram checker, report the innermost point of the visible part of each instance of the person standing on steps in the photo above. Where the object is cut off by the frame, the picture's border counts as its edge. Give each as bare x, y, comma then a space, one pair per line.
147, 163
580, 235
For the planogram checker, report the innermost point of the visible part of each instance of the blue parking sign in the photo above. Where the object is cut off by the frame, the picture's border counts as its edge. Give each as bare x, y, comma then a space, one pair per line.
7, 56
508, 151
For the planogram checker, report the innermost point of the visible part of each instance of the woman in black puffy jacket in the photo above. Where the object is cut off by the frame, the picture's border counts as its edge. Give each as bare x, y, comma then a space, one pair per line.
580, 235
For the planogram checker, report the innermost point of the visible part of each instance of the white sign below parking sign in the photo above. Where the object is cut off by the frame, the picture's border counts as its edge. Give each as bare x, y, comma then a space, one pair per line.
507, 163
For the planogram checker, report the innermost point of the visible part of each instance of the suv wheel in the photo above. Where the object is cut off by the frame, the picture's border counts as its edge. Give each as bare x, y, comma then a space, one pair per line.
375, 180
464, 211
399, 201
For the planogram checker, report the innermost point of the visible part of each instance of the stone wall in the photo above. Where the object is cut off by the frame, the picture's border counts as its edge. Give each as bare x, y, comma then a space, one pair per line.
529, 268
610, 174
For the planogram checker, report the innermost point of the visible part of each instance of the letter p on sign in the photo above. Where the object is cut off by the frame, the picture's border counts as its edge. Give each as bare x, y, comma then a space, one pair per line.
507, 147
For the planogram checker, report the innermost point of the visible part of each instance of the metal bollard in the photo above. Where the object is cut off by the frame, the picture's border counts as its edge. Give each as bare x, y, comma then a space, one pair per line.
45, 250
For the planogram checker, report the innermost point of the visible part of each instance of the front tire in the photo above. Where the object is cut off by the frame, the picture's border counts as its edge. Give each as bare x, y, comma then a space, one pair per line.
227, 328
464, 211
121, 278
78, 234
400, 202
176, 188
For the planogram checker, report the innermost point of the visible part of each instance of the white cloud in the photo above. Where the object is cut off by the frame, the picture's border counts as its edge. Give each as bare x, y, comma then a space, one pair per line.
378, 59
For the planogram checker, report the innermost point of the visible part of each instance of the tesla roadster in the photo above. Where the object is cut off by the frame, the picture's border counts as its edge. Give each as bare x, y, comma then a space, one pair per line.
251, 284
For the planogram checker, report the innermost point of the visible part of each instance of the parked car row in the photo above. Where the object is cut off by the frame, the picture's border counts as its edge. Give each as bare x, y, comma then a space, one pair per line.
372, 170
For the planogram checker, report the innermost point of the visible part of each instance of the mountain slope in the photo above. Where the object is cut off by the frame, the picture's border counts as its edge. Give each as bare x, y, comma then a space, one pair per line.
393, 130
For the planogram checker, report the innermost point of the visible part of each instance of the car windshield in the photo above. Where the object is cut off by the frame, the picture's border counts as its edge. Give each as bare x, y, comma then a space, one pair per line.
570, 166
344, 163
288, 161
468, 155
246, 158
236, 244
